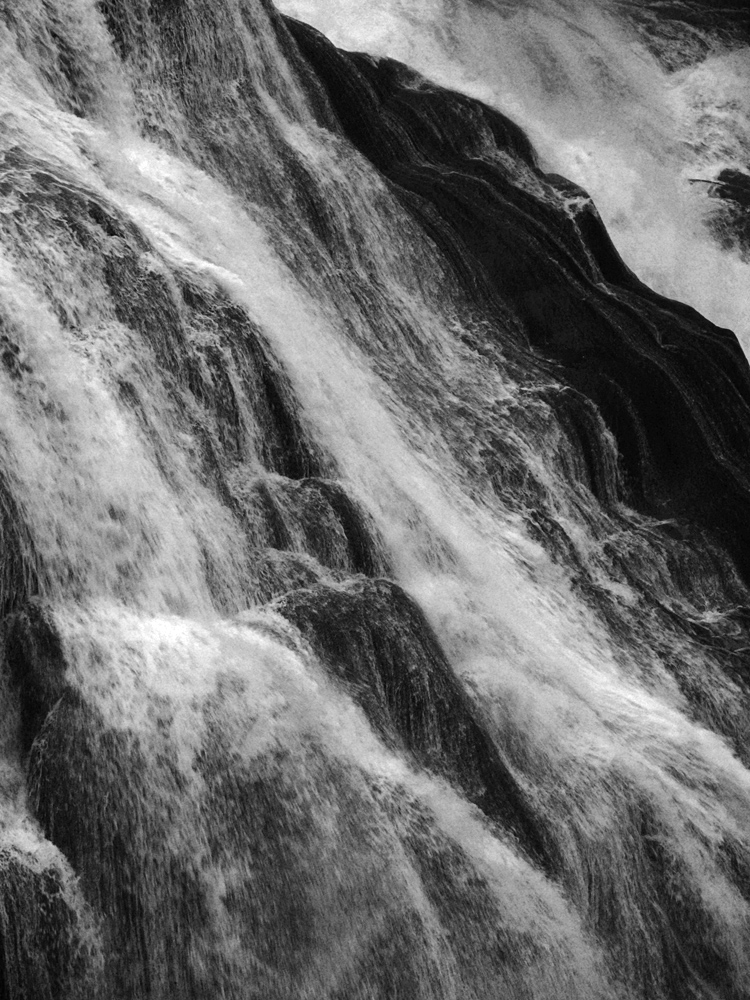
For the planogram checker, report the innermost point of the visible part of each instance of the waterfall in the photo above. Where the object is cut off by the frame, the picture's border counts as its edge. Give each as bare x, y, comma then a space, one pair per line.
375, 512
632, 100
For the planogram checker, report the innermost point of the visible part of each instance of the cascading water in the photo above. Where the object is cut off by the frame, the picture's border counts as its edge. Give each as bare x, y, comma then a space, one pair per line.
632, 100
375, 545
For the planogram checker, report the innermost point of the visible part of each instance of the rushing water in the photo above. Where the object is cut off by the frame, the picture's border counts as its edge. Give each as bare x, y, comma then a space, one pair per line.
633, 123
345, 653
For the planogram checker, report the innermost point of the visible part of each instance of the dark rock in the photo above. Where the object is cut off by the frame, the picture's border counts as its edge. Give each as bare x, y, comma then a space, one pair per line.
34, 655
48, 949
672, 388
374, 637
315, 517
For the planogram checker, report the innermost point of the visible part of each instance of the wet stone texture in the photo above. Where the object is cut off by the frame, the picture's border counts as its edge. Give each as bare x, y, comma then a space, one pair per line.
644, 360
375, 638
224, 846
301, 855
48, 945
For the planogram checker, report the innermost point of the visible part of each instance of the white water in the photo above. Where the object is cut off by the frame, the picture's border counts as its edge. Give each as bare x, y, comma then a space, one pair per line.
595, 737
599, 109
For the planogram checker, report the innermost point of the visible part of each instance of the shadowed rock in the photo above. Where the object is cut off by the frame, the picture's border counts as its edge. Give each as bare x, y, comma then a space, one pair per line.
34, 656
47, 947
375, 638
276, 872
673, 388
315, 517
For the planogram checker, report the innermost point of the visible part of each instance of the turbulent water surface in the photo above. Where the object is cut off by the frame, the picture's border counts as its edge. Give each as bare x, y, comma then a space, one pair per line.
375, 512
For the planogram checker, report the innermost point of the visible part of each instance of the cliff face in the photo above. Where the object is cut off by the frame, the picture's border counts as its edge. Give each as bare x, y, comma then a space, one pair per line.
375, 543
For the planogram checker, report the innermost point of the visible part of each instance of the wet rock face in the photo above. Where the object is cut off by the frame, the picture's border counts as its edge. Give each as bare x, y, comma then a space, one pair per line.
683, 32
673, 389
307, 799
730, 218
374, 638
297, 850
301, 854
211, 359
96, 797
37, 666
47, 951
315, 517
